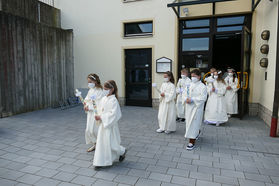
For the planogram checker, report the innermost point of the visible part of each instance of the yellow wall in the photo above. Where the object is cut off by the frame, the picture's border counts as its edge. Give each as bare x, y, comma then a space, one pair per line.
221, 8
264, 18
98, 36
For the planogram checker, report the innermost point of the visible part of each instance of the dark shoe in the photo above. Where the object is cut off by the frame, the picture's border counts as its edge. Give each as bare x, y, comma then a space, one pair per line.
122, 157
177, 119
183, 120
96, 168
190, 146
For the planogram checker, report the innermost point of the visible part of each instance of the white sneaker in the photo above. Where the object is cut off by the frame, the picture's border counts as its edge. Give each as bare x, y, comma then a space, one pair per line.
159, 130
167, 132
229, 115
217, 124
190, 146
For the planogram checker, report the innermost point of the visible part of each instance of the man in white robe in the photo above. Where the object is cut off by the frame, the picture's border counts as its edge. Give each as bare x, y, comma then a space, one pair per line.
231, 93
181, 87
194, 108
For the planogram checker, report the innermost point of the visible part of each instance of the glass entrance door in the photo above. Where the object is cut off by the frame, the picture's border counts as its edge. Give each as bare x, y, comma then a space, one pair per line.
138, 77
245, 71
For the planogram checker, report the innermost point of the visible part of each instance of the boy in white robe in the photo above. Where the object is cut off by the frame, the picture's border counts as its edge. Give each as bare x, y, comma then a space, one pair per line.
108, 148
195, 100
215, 111
167, 111
182, 85
95, 92
231, 93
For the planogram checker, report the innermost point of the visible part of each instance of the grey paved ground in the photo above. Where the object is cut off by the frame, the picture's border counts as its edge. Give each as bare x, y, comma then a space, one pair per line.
47, 148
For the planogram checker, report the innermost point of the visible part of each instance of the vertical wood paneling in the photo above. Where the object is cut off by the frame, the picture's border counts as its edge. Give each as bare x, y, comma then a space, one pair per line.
36, 65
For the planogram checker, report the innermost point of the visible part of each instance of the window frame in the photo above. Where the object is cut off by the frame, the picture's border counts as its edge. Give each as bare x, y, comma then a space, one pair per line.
147, 34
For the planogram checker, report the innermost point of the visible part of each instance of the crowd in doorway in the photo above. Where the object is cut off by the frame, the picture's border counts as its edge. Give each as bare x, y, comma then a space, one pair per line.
194, 102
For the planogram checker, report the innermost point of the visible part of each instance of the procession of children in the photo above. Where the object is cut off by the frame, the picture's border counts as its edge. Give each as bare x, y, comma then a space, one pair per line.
190, 101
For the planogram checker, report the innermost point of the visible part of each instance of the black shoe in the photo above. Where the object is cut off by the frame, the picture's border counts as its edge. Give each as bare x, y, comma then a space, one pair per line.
96, 168
183, 120
178, 119
122, 157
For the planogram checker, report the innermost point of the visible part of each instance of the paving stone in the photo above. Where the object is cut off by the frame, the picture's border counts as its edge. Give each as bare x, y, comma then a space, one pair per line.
104, 183
64, 176
207, 183
160, 177
45, 172
131, 180
105, 175
145, 182
29, 179
243, 182
139, 173
257, 177
6, 182
30, 169
158, 169
178, 172
225, 180
83, 180
183, 181
68, 168
86, 172
201, 176
47, 182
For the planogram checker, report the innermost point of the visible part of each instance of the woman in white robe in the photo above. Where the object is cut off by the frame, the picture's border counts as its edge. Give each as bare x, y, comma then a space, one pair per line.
167, 111
108, 148
95, 92
195, 99
215, 110
181, 87
231, 93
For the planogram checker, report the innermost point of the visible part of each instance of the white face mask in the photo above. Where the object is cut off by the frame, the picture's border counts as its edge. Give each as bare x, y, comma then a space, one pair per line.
183, 76
91, 85
194, 79
166, 79
215, 77
230, 74
106, 92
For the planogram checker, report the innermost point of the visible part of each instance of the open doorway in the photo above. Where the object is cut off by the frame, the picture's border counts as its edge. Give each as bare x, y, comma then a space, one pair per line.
227, 51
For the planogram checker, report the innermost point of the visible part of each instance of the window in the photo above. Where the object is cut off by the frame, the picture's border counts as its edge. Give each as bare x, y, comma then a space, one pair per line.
195, 44
226, 24
138, 29
196, 26
230, 21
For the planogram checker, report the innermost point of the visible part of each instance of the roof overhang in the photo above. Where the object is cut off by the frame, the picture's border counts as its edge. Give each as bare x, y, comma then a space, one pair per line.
178, 3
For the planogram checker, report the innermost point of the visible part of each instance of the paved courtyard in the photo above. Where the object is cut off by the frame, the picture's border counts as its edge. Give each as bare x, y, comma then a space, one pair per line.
47, 148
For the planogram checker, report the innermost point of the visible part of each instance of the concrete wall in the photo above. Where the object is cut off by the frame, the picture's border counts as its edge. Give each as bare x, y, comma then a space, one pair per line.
33, 10
36, 64
98, 36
